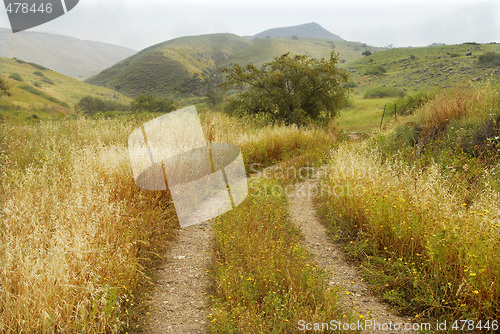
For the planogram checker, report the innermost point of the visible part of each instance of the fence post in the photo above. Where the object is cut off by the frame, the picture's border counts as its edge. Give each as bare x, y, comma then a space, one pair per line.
383, 113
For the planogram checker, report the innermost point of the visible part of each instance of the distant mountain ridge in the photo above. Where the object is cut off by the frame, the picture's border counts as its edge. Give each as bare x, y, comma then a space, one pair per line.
67, 55
307, 30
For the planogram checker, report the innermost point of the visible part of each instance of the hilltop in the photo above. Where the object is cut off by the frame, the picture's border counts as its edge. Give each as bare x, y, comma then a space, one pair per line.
68, 55
308, 30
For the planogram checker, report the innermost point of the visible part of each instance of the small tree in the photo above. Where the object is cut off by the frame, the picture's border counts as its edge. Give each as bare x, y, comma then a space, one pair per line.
366, 53
4, 88
293, 89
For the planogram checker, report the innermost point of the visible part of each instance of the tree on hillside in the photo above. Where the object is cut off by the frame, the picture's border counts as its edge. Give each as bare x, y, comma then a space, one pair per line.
4, 88
366, 53
293, 89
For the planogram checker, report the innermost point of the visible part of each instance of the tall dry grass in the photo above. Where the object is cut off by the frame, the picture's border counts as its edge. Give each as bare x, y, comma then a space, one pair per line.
77, 237
423, 248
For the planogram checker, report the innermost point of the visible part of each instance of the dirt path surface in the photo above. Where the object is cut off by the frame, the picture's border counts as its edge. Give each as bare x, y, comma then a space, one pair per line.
330, 256
180, 301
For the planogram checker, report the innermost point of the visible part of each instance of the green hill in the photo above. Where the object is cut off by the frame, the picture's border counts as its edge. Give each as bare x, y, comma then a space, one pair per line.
187, 66
36, 87
178, 66
425, 67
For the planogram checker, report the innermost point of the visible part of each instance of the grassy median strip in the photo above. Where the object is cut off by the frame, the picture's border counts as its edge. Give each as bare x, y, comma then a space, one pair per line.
264, 281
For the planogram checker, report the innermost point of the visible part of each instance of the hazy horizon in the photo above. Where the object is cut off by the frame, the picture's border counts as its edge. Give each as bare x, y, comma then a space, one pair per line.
138, 24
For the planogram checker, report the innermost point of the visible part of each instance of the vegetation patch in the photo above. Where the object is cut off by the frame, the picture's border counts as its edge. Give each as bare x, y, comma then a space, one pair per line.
489, 59
380, 92
40, 93
419, 208
265, 282
16, 76
90, 106
82, 255
376, 70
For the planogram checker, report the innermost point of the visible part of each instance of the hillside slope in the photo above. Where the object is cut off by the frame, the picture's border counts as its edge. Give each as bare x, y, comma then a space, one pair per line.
67, 55
264, 50
178, 66
425, 67
34, 86
187, 66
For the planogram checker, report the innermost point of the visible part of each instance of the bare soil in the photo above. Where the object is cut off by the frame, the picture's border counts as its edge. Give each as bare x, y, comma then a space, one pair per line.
180, 302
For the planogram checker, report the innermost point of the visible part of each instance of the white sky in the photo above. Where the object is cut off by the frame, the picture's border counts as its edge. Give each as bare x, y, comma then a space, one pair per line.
140, 23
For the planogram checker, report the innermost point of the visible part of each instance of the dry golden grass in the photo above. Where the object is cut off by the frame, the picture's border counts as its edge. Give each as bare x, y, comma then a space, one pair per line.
426, 251
78, 239
76, 235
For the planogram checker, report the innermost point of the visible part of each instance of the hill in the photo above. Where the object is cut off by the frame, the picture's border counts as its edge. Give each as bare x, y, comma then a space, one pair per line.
36, 87
189, 65
424, 67
308, 30
178, 66
70, 56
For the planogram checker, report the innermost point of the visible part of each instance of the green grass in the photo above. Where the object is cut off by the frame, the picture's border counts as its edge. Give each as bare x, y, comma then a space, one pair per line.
423, 219
33, 90
379, 92
423, 68
52, 84
265, 282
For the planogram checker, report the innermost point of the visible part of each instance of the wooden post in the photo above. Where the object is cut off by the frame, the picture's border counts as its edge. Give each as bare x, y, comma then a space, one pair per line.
383, 113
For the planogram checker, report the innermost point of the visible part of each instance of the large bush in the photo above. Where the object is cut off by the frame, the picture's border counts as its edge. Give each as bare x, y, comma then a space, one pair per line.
153, 103
292, 89
489, 59
90, 105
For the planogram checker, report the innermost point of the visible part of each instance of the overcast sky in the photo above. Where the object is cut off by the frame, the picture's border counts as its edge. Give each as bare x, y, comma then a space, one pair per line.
140, 23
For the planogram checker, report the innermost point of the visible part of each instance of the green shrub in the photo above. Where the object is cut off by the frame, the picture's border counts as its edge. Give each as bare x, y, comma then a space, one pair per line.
40, 67
90, 105
376, 70
152, 103
379, 92
40, 74
38, 92
489, 59
16, 76
409, 104
47, 80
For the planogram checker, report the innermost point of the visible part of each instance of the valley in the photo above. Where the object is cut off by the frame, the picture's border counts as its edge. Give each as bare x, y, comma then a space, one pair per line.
396, 219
